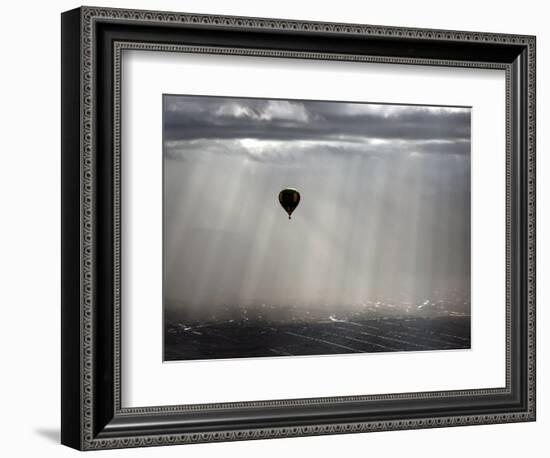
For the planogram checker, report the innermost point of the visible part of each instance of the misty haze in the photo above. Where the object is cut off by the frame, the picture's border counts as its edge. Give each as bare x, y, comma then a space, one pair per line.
375, 258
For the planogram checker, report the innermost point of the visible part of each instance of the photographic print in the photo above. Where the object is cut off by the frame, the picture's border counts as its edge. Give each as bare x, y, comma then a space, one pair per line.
307, 227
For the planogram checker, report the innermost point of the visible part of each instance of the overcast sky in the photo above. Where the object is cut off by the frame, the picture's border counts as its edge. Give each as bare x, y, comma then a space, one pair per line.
384, 211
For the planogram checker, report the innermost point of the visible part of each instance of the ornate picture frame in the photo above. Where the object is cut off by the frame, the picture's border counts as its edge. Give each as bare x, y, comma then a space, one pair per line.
93, 416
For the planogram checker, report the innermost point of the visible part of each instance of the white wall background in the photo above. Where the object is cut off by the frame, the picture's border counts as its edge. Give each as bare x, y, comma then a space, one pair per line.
30, 229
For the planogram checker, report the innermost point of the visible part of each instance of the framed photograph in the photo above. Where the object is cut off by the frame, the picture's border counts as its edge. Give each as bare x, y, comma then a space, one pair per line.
276, 228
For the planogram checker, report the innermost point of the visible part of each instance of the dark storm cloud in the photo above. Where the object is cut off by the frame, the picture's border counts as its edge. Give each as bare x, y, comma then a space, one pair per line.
192, 118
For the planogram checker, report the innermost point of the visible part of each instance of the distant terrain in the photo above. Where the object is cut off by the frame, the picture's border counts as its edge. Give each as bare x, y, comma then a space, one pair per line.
286, 331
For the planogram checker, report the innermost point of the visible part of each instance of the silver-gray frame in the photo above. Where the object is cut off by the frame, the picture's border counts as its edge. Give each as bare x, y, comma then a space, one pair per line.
91, 370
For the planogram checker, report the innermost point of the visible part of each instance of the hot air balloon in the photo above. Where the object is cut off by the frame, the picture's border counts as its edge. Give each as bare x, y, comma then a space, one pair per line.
289, 198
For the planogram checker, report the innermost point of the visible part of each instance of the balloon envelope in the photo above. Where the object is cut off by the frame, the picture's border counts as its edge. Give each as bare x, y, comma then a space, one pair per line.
289, 198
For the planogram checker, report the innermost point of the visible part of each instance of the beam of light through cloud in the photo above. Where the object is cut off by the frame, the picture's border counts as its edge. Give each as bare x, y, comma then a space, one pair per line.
384, 215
